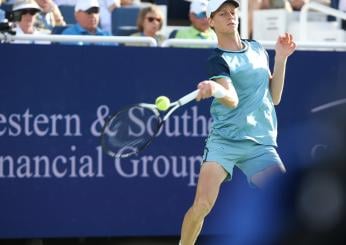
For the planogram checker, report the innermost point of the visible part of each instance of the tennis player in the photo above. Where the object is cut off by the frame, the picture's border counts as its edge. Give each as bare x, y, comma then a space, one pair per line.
244, 127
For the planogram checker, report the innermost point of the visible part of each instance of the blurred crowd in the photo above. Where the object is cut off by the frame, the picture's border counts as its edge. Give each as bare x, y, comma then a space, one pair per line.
94, 17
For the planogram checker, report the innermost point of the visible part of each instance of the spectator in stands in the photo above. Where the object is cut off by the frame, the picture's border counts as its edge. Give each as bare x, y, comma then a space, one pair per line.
106, 9
275, 4
199, 28
149, 23
50, 15
88, 18
340, 5
65, 2
2, 13
26, 12
297, 4
129, 2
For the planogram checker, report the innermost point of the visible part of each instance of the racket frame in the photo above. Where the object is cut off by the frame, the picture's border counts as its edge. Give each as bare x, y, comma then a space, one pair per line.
162, 118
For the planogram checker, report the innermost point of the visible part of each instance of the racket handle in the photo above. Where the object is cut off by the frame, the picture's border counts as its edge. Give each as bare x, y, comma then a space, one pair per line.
188, 98
219, 92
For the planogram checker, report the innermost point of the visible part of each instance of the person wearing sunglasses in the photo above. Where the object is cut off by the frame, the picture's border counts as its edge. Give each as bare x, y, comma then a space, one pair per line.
25, 13
88, 19
199, 28
129, 2
149, 23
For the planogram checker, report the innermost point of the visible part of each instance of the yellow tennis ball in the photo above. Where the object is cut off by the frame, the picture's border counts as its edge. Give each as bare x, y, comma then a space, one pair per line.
162, 103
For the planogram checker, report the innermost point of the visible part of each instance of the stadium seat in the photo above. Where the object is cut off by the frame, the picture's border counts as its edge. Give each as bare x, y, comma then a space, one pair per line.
178, 12
124, 20
160, 2
173, 33
59, 29
6, 7
68, 12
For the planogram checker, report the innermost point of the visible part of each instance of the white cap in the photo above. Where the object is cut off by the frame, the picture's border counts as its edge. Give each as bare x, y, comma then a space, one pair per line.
214, 5
84, 5
26, 4
198, 6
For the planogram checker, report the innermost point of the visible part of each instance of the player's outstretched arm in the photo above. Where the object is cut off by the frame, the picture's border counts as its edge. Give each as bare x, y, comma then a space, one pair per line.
221, 89
284, 47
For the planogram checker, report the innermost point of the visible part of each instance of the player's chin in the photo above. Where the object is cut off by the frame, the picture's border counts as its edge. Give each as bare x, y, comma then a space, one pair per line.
232, 28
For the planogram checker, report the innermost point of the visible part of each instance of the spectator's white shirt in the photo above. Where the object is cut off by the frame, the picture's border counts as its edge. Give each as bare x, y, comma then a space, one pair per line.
342, 5
106, 15
65, 2
19, 31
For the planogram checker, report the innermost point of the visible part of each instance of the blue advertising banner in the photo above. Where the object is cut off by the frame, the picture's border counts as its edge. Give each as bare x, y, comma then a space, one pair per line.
56, 182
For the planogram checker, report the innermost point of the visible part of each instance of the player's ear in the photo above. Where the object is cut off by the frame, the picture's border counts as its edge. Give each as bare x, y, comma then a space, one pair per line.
211, 22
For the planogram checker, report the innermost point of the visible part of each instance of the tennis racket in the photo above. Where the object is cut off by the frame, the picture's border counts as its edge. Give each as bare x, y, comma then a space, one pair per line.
133, 128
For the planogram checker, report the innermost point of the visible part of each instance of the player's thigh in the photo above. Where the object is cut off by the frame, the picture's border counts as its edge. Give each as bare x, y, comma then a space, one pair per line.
210, 178
261, 178
263, 164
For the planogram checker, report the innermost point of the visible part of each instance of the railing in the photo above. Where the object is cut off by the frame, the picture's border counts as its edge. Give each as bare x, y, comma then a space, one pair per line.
301, 45
76, 39
337, 46
319, 46
319, 7
176, 42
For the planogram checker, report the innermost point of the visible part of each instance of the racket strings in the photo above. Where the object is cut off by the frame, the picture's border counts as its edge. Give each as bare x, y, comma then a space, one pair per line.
130, 131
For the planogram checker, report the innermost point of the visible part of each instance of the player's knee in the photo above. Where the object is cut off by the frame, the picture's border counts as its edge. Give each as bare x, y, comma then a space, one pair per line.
201, 208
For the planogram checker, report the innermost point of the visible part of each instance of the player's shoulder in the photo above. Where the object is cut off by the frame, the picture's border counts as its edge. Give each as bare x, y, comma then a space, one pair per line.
215, 54
249, 40
253, 43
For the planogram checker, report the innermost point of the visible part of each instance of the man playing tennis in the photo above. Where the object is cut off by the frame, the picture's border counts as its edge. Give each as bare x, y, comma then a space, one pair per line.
244, 126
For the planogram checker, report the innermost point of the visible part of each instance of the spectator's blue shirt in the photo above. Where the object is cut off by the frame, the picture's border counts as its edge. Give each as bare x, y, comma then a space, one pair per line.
2, 15
77, 29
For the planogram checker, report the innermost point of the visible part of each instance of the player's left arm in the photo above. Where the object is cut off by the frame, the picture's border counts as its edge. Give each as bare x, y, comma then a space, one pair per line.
284, 47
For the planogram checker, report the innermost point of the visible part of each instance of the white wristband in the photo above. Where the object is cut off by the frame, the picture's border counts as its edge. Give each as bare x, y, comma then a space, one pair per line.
219, 91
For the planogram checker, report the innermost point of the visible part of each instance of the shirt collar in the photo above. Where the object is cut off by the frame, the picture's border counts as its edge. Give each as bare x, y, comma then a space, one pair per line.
82, 30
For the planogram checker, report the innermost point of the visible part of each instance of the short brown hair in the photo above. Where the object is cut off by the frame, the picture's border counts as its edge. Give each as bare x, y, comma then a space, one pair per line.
144, 11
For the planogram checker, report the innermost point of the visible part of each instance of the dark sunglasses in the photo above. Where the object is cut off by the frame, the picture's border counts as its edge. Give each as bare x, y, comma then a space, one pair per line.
93, 10
151, 19
201, 15
29, 11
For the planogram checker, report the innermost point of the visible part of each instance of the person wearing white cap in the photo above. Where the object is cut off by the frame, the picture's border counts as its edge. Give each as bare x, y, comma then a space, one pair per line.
88, 18
199, 28
244, 129
25, 13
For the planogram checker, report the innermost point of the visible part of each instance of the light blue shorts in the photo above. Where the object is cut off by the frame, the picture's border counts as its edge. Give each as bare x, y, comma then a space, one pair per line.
249, 156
